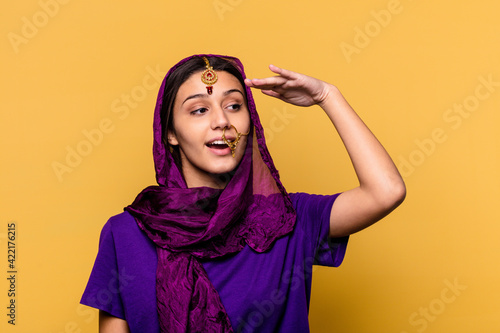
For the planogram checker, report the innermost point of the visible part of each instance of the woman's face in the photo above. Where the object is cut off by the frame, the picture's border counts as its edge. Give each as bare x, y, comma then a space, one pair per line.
198, 121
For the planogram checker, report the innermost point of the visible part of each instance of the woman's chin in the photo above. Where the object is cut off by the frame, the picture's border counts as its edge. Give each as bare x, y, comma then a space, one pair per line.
223, 170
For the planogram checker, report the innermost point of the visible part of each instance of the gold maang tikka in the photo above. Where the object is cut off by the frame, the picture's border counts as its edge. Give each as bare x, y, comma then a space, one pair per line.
209, 77
232, 144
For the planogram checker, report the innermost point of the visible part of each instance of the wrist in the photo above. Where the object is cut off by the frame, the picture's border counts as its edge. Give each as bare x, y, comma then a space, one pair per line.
330, 93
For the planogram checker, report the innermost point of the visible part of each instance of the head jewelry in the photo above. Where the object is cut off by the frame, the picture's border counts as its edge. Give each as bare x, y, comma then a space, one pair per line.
209, 77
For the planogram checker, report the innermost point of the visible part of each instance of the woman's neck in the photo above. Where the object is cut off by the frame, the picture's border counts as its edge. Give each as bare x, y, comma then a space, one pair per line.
217, 181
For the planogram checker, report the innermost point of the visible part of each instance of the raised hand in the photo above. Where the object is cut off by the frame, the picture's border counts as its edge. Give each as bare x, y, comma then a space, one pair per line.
381, 187
291, 87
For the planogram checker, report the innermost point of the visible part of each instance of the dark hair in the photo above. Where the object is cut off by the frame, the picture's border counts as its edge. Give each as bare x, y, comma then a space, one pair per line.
173, 83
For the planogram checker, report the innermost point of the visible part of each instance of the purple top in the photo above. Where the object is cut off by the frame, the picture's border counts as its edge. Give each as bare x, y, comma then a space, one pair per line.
261, 292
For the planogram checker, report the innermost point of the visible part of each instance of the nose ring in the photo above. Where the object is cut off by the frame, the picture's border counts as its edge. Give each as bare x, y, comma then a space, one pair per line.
232, 144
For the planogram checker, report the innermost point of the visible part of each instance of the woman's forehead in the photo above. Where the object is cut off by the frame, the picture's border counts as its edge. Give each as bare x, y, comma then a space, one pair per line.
194, 85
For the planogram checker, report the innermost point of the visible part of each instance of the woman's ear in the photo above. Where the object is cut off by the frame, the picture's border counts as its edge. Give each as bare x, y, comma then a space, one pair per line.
172, 139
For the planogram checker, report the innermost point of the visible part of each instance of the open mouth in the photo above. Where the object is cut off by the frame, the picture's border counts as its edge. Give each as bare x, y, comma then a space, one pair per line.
217, 144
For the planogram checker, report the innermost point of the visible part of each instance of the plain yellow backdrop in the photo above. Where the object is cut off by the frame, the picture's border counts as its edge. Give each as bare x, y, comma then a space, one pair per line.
79, 83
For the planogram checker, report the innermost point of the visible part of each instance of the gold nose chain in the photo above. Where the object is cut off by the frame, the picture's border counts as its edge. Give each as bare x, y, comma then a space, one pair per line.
232, 144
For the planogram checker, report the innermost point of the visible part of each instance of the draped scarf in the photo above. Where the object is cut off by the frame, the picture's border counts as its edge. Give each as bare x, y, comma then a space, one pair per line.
188, 224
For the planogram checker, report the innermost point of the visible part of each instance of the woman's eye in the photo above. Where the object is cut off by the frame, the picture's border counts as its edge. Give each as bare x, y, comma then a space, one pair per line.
199, 111
234, 106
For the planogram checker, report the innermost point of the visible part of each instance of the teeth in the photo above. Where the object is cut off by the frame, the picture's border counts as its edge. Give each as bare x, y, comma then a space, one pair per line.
217, 142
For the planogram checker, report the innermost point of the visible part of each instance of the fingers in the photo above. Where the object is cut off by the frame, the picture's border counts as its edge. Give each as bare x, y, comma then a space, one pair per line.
283, 72
275, 69
266, 83
284, 76
271, 93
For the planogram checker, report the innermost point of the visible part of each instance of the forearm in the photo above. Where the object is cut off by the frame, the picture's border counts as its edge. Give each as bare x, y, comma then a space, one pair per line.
110, 324
381, 188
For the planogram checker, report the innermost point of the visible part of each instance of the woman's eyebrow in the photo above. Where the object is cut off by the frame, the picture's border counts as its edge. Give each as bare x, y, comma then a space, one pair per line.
232, 91
227, 92
195, 96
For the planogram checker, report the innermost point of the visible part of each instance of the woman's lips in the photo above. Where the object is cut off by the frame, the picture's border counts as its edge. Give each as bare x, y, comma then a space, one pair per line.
220, 150
218, 146
219, 139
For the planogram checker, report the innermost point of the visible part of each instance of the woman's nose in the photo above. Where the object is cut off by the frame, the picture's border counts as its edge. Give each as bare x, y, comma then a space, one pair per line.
220, 119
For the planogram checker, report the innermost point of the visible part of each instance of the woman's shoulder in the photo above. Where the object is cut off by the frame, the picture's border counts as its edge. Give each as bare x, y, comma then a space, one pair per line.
302, 200
122, 220
122, 237
122, 225
313, 210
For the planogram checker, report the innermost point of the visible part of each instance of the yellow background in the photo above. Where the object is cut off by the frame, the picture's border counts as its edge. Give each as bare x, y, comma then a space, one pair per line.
62, 77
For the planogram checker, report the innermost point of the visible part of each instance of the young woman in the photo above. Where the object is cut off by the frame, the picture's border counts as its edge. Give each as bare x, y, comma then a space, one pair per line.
219, 245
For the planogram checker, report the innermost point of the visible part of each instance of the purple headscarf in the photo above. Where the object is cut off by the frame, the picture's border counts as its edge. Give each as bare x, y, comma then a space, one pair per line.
191, 223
